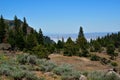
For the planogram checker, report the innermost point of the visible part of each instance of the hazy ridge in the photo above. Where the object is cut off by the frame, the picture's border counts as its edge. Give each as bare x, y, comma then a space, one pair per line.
88, 36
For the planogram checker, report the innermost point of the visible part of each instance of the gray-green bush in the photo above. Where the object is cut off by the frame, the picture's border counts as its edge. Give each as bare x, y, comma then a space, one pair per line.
26, 59
46, 66
67, 72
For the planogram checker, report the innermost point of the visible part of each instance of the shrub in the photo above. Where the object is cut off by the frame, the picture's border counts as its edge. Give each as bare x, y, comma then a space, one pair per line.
96, 76
30, 76
5, 69
64, 68
40, 51
18, 74
114, 64
67, 72
112, 76
31, 59
26, 59
95, 58
47, 66
92, 49
84, 52
74, 75
104, 61
41, 61
22, 58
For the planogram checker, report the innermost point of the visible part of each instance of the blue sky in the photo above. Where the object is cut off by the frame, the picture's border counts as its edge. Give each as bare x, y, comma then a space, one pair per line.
65, 16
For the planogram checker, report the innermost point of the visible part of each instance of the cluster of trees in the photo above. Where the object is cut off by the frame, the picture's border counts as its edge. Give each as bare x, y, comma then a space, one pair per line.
24, 38
21, 37
110, 42
77, 48
81, 47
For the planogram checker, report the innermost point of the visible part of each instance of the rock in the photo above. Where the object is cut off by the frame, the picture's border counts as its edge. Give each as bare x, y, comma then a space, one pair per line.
111, 71
82, 77
49, 73
5, 46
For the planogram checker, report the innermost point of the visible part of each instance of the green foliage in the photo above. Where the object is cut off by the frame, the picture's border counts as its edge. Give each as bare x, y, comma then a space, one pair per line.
104, 61
24, 27
95, 58
112, 76
114, 64
47, 66
74, 75
40, 37
40, 51
2, 29
84, 52
81, 40
30, 76
18, 74
62, 69
97, 46
5, 69
110, 51
11, 38
17, 24
26, 59
31, 41
60, 44
67, 72
70, 48
96, 76
81, 33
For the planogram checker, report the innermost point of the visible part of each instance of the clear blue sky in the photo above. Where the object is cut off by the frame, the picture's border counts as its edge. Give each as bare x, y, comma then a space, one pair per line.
65, 16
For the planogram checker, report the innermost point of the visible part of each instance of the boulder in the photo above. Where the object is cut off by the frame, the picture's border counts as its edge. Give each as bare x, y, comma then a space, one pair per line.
82, 77
5, 46
111, 71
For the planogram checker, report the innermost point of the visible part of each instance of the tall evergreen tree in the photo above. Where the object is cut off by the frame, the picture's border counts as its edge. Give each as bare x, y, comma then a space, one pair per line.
11, 38
24, 27
81, 40
81, 33
40, 37
31, 41
69, 41
2, 29
16, 24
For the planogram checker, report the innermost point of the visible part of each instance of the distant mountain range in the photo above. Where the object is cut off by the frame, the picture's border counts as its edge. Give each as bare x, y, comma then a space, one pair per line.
56, 37
10, 23
88, 36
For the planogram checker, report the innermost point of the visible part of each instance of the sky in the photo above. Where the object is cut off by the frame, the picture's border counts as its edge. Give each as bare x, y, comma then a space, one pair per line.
65, 16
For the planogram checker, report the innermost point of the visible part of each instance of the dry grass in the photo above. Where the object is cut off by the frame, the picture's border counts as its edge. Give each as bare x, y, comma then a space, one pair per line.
47, 77
79, 63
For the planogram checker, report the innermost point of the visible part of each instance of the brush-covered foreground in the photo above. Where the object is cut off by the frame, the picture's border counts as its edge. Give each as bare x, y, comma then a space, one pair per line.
28, 67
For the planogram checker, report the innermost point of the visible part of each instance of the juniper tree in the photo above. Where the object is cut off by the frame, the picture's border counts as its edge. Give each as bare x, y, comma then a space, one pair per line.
2, 29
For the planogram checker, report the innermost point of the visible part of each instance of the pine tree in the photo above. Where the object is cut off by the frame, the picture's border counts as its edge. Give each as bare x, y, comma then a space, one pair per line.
60, 44
81, 33
11, 38
16, 24
40, 37
24, 27
69, 41
81, 40
70, 49
31, 41
111, 51
2, 29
